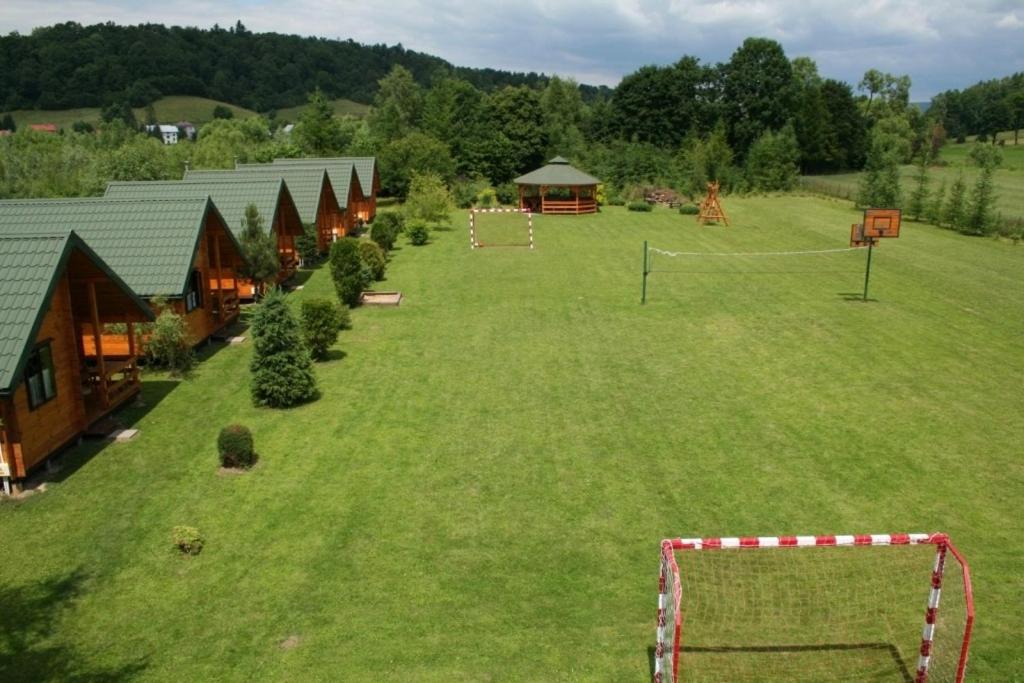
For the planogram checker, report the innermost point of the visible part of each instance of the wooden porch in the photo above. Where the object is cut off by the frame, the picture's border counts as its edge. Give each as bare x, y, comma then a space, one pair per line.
581, 199
109, 367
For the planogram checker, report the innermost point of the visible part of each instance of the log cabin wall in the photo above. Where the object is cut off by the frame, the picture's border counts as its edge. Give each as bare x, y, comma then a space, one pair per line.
202, 321
43, 430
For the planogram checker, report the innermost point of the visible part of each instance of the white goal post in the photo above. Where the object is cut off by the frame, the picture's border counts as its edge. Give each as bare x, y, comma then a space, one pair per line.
813, 608
474, 240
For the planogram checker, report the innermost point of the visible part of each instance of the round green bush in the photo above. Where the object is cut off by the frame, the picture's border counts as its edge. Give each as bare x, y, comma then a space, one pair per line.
639, 206
234, 443
321, 320
187, 540
418, 234
689, 209
386, 229
373, 258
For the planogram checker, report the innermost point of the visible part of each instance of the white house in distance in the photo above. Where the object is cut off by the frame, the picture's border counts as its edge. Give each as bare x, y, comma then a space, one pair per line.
168, 133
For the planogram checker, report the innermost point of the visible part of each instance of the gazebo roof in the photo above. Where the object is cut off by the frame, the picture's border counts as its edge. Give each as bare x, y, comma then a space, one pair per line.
557, 172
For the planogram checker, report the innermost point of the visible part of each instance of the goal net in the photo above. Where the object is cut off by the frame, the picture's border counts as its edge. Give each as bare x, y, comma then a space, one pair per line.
813, 608
500, 228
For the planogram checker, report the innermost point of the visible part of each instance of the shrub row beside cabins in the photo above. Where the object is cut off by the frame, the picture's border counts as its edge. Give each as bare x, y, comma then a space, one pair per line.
71, 268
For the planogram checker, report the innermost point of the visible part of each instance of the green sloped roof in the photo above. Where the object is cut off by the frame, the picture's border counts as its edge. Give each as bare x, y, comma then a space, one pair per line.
339, 173
150, 244
304, 184
365, 168
231, 195
31, 265
557, 172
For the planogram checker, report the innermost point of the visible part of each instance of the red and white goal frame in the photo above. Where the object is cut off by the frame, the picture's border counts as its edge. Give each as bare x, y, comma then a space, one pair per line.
670, 642
474, 243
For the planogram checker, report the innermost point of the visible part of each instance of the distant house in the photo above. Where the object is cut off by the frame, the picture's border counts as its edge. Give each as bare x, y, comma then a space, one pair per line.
232, 194
56, 375
44, 127
168, 133
187, 129
177, 250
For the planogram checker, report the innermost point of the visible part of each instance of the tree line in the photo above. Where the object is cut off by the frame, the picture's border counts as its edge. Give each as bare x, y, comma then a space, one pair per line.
754, 123
69, 65
984, 109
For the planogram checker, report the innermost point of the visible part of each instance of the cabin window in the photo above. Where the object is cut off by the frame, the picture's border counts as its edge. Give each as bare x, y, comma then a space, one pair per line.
39, 377
194, 297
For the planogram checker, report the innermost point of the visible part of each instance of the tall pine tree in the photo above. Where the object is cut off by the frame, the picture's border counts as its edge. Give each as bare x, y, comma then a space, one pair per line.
282, 371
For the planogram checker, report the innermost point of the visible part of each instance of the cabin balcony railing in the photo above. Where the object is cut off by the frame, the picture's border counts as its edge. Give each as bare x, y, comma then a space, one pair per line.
110, 386
569, 206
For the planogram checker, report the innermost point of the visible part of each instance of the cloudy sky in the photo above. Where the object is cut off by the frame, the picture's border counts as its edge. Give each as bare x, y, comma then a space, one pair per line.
941, 44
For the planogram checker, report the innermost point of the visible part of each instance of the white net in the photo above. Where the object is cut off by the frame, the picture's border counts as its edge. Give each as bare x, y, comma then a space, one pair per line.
664, 261
814, 614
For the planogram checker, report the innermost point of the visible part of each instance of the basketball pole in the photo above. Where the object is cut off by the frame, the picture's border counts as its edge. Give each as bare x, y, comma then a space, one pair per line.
867, 270
643, 289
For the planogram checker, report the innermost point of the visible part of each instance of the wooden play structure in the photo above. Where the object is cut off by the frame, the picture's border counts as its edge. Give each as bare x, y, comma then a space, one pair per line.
711, 208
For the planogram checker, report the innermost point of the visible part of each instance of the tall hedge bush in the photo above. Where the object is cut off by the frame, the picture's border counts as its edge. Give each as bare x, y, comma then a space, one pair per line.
373, 259
282, 371
347, 270
321, 321
386, 229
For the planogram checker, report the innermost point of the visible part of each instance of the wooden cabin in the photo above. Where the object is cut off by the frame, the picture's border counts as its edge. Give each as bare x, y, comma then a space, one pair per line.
558, 188
232, 194
175, 250
56, 375
362, 207
310, 188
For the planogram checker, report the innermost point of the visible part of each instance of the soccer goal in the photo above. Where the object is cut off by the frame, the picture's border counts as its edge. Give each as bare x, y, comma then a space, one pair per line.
813, 608
500, 228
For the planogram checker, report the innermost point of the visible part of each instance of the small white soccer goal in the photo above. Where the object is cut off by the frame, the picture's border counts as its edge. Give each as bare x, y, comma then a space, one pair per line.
504, 228
813, 608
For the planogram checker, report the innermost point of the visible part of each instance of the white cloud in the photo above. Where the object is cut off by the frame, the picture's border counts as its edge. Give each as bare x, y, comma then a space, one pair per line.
599, 41
1011, 20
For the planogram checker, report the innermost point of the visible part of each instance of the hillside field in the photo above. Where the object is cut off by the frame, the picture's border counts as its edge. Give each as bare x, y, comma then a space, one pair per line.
168, 110
340, 107
480, 491
1009, 178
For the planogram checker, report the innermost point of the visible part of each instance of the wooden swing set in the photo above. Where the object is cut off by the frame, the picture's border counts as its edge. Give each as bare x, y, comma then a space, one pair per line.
711, 208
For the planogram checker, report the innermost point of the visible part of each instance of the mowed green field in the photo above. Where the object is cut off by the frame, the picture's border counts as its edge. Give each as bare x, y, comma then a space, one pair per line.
480, 491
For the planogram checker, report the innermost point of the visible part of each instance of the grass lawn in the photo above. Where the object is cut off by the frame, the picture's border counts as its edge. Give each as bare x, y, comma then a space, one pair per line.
1008, 178
480, 491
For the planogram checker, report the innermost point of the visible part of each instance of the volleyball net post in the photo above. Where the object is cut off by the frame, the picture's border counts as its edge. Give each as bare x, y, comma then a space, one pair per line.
646, 270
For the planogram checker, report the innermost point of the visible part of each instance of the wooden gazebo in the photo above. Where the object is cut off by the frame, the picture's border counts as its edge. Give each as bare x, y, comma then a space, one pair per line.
558, 188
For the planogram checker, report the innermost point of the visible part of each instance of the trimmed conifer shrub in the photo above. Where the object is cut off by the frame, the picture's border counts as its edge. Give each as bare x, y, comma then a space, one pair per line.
234, 445
347, 270
187, 540
418, 234
282, 371
373, 258
640, 206
321, 321
386, 229
169, 346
